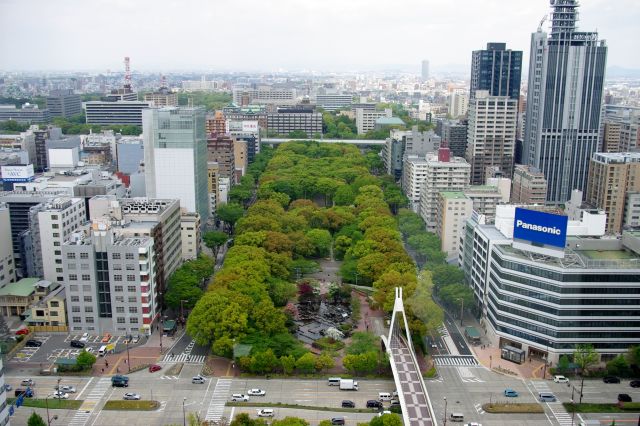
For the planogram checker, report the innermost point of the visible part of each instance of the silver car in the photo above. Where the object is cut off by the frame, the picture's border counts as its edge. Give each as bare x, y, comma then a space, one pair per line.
131, 396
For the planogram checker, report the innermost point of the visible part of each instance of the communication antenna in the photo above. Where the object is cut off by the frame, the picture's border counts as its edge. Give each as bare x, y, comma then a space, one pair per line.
163, 81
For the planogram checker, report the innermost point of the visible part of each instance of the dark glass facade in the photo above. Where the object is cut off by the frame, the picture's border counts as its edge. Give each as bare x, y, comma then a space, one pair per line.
496, 69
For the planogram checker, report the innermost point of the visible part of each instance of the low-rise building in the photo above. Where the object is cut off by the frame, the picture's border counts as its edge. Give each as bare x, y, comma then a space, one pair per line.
191, 237
529, 185
29, 113
49, 313
366, 119
453, 210
16, 297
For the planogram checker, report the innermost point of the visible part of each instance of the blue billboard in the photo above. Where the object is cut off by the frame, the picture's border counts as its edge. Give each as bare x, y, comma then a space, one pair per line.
540, 227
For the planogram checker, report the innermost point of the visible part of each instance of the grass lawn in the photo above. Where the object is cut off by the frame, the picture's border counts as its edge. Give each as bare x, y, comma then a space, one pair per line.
54, 404
513, 408
633, 407
299, 407
141, 405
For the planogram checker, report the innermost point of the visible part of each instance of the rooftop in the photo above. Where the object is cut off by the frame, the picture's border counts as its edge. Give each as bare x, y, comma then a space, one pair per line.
389, 121
23, 288
617, 157
453, 194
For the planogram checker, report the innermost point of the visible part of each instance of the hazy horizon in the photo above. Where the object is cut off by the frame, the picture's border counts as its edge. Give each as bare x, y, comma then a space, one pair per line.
268, 36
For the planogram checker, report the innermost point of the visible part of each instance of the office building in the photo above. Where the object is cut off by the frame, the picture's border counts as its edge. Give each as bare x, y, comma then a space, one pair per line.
7, 266
63, 152
64, 103
546, 295
401, 143
20, 143
611, 136
216, 123
51, 223
620, 128
298, 119
265, 95
202, 85
162, 98
42, 136
366, 118
458, 104
190, 235
484, 198
632, 211
110, 282
249, 113
454, 135
333, 102
497, 70
212, 186
491, 135
115, 113
156, 218
424, 177
562, 132
452, 211
220, 149
29, 113
528, 186
175, 156
246, 131
611, 177
130, 155
425, 70
241, 158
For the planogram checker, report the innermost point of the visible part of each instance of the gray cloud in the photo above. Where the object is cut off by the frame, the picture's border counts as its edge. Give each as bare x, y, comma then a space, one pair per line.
290, 34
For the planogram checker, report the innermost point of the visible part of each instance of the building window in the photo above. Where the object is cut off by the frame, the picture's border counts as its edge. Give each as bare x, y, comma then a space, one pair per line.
133, 310
73, 277
86, 277
54, 304
118, 288
75, 309
131, 288
132, 299
128, 255
71, 255
120, 320
117, 277
115, 256
120, 309
87, 299
73, 287
131, 277
133, 320
86, 288
89, 320
75, 298
131, 267
77, 319
120, 299
84, 255
88, 309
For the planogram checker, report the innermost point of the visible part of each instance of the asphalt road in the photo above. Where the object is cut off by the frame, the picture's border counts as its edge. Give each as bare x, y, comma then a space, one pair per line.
456, 336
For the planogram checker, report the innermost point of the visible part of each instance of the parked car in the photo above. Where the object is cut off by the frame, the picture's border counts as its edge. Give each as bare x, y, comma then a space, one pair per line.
22, 332
348, 404
154, 367
239, 397
106, 337
135, 340
28, 382
120, 381
510, 393
473, 424
28, 392
560, 379
60, 395
611, 379
67, 389
198, 379
265, 412
77, 344
635, 383
131, 396
256, 392
32, 343
85, 337
372, 403
394, 402
624, 397
90, 350
337, 421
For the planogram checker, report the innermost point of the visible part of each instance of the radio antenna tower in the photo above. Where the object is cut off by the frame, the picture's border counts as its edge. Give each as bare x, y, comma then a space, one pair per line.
127, 75
163, 81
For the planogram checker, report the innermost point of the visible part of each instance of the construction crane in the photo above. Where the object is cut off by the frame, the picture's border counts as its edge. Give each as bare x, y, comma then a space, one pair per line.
544, 18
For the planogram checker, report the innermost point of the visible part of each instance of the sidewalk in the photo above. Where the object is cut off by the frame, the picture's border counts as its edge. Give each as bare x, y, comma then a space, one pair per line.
489, 356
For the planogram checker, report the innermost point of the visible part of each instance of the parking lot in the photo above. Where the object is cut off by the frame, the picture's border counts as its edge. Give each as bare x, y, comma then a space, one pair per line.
55, 346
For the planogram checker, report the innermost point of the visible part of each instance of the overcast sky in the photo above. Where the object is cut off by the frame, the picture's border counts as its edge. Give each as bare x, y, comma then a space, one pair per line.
251, 35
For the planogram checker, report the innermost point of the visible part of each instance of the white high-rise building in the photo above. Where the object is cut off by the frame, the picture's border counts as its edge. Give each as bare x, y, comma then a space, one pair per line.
175, 157
458, 104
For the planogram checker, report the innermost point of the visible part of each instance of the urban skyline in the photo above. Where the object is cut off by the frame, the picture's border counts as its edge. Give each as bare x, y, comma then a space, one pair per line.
403, 38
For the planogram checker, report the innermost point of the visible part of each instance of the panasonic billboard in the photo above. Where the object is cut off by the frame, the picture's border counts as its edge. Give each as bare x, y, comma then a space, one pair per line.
540, 228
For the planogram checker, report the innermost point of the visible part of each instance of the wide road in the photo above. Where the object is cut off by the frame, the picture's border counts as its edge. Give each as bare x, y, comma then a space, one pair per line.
171, 390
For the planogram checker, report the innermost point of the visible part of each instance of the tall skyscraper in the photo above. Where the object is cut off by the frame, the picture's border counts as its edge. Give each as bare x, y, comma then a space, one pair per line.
497, 70
425, 70
566, 75
175, 156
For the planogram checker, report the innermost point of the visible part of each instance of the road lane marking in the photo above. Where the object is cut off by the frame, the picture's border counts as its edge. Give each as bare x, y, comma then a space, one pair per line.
85, 387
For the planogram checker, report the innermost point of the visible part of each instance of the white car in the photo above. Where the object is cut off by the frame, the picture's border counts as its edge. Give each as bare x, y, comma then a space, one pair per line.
131, 396
60, 395
90, 350
67, 389
256, 392
473, 424
239, 397
136, 339
28, 382
265, 412
85, 337
560, 379
197, 379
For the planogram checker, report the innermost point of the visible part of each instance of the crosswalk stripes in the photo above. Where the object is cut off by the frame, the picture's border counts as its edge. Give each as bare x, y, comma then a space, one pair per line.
163, 405
457, 360
443, 330
478, 408
168, 377
560, 413
184, 357
472, 380
218, 400
83, 413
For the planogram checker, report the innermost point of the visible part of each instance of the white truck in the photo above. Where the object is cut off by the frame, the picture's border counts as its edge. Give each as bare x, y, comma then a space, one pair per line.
348, 384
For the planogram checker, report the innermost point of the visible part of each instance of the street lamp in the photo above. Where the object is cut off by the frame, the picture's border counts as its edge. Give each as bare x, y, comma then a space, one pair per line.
461, 310
184, 417
46, 403
546, 361
573, 412
445, 411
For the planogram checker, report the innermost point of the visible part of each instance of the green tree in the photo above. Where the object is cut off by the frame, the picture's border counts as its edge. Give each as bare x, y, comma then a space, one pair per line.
619, 366
215, 240
634, 355
363, 342
563, 364
35, 420
325, 423
321, 241
243, 419
229, 214
344, 196
585, 357
324, 362
85, 360
386, 420
288, 363
290, 421
264, 362
444, 275
306, 363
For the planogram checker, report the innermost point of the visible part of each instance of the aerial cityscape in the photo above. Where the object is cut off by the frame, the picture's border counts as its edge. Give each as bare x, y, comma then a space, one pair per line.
319, 213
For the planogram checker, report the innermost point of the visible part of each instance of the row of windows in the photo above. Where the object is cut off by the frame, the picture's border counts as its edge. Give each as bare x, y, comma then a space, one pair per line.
117, 256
